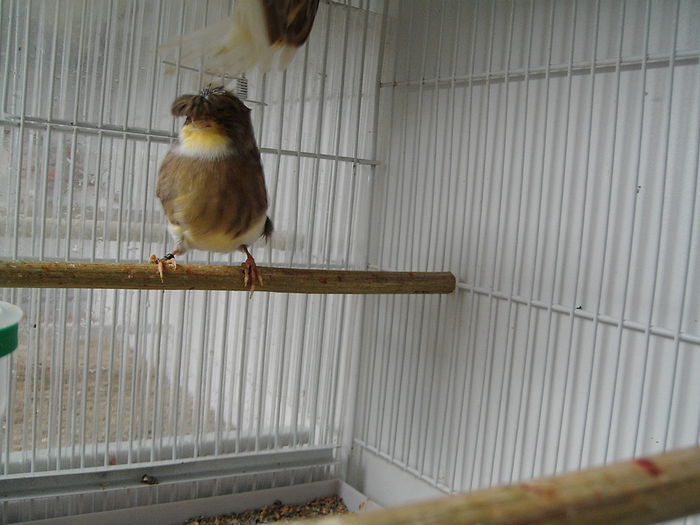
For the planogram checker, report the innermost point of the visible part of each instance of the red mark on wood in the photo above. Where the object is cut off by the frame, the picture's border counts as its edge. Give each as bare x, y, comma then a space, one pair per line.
410, 274
648, 465
188, 271
323, 281
548, 492
340, 278
46, 268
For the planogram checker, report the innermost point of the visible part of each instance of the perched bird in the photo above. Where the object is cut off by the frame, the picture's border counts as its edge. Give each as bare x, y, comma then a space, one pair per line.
256, 33
211, 182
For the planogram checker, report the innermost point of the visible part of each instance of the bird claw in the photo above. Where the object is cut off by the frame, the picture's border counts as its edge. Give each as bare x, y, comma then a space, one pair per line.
161, 262
251, 275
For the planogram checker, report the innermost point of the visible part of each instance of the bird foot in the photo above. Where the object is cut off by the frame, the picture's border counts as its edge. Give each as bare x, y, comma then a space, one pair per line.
168, 259
251, 274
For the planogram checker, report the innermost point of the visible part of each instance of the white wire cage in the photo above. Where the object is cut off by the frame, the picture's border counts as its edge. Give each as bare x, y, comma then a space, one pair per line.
544, 152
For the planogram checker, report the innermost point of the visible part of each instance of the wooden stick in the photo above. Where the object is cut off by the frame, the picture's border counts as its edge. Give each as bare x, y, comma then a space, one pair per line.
26, 274
644, 490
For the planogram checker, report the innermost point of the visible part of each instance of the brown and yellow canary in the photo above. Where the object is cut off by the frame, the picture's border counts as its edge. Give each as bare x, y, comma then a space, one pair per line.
259, 32
211, 182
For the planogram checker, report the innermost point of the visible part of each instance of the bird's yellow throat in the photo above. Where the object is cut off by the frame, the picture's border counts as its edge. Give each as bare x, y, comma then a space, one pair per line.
208, 142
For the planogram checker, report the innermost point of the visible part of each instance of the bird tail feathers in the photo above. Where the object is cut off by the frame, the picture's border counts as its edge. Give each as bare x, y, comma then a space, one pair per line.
267, 229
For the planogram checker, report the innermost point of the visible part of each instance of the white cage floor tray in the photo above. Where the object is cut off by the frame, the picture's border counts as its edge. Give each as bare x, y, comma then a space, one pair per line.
176, 513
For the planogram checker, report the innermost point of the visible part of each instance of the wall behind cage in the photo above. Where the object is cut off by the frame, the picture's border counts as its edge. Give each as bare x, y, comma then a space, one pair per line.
547, 154
105, 377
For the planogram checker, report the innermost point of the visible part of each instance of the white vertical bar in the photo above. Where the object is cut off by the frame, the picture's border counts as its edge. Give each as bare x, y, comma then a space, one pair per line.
57, 368
73, 376
368, 388
330, 206
222, 375
319, 136
450, 124
100, 125
662, 200
529, 337
411, 405
549, 368
496, 277
262, 358
577, 258
67, 52
27, 416
128, 52
466, 384
86, 183
596, 323
312, 206
211, 324
108, 70
117, 294
81, 45
387, 350
141, 327
20, 153
687, 290
177, 364
631, 235
130, 297
316, 395
474, 482
393, 258
84, 391
98, 369
36, 395
350, 404
330, 212
177, 373
413, 198
71, 183
147, 195
511, 347
430, 248
57, 179
241, 382
285, 308
360, 85
425, 406
141, 314
375, 139
12, 16
199, 386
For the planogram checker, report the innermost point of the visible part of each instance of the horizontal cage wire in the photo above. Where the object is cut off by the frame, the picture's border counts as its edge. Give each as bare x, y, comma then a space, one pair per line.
544, 152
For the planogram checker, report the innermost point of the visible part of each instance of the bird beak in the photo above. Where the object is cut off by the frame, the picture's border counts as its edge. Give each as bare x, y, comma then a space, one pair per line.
200, 124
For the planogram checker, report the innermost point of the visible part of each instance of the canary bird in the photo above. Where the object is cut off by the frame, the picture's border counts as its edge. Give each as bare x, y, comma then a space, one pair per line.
211, 182
257, 33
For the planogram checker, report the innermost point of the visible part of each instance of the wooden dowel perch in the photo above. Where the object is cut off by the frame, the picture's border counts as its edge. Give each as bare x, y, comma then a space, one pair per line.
644, 490
26, 274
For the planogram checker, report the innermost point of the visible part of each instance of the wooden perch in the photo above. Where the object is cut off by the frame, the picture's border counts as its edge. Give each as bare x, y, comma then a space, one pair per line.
644, 490
25, 274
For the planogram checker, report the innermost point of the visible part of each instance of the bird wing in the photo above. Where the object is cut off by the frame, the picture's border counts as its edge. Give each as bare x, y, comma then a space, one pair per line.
289, 22
259, 32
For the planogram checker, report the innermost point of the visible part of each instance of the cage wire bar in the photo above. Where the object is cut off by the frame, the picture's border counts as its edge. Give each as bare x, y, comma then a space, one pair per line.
546, 153
107, 378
